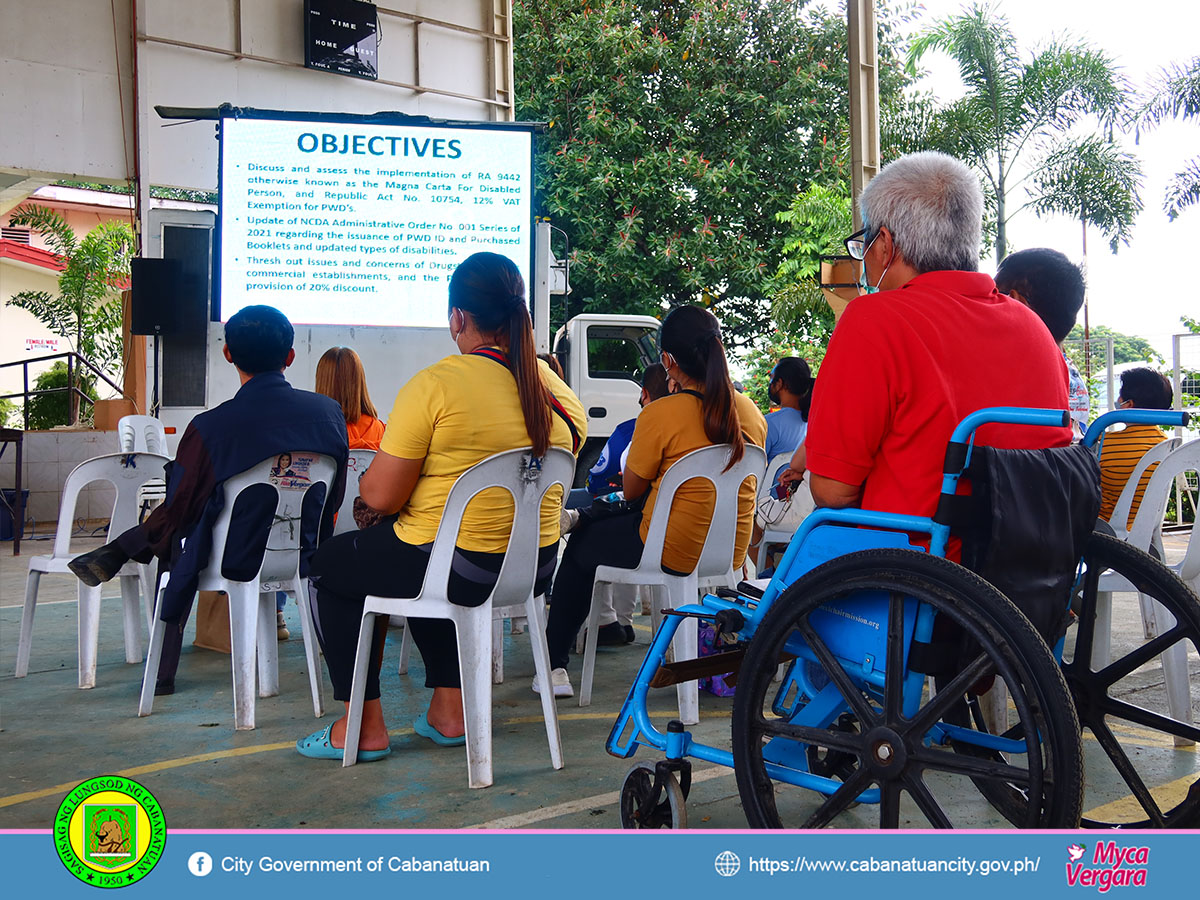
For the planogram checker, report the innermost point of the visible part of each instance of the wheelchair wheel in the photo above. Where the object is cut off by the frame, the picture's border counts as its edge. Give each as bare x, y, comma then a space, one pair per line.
1157, 784
888, 744
669, 812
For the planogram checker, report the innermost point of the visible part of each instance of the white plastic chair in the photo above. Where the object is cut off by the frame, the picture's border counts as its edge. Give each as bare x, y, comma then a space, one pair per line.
142, 434
1120, 514
252, 602
715, 563
356, 464
772, 534
473, 625
1147, 527
126, 472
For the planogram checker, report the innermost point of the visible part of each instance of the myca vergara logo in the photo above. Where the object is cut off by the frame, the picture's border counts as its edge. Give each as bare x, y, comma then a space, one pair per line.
110, 831
1108, 866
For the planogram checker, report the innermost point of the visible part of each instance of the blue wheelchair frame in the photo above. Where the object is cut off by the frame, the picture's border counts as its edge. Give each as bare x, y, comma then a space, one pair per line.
855, 631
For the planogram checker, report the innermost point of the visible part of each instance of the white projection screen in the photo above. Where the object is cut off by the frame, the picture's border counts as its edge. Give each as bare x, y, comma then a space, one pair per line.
350, 222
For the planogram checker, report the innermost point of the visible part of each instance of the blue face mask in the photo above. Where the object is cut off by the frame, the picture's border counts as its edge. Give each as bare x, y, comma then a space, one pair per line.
863, 284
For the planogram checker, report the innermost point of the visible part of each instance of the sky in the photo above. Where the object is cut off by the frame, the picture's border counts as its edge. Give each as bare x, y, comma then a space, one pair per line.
1148, 285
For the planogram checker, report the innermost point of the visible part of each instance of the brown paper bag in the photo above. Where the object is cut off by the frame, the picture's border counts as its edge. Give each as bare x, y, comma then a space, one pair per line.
212, 622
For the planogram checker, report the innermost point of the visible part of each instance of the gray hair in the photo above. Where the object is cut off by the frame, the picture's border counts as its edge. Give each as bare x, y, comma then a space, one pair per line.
932, 205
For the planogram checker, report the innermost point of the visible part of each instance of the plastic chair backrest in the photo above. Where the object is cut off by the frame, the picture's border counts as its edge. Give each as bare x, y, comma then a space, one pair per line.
126, 472
281, 558
708, 463
356, 465
1120, 515
528, 486
778, 463
1154, 504
142, 434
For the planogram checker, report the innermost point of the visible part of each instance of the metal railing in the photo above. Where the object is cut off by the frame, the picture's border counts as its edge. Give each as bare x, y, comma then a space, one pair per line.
75, 362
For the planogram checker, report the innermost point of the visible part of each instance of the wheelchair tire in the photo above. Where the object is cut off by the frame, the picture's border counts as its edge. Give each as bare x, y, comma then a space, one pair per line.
1103, 699
889, 747
670, 812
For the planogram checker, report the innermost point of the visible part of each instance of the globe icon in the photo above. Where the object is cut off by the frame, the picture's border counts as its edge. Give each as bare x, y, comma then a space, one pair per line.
727, 863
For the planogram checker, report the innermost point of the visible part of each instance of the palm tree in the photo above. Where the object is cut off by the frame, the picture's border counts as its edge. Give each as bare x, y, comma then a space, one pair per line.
1175, 93
87, 309
1018, 113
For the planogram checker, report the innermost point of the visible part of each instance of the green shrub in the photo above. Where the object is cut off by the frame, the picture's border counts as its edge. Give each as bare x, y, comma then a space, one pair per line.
49, 410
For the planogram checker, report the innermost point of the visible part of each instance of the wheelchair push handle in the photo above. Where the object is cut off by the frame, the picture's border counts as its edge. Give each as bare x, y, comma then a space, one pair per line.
1009, 415
1167, 418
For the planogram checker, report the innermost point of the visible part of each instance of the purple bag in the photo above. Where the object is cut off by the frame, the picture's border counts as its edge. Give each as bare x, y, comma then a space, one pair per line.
714, 684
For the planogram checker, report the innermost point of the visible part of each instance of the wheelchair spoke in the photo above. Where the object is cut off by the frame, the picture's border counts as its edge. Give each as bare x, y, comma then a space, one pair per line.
1087, 614
941, 702
975, 767
893, 705
1148, 719
1113, 673
927, 802
846, 741
1127, 772
889, 805
850, 693
839, 800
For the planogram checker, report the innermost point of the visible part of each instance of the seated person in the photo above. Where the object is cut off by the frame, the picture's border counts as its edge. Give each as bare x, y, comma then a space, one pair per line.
1052, 286
340, 376
616, 620
494, 396
1121, 450
267, 417
905, 365
605, 476
706, 411
789, 388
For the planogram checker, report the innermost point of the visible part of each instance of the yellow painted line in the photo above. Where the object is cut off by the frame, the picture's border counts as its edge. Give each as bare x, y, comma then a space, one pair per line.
180, 762
1127, 809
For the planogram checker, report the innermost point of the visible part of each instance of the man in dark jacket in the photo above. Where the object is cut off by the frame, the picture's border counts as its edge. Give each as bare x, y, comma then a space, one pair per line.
265, 418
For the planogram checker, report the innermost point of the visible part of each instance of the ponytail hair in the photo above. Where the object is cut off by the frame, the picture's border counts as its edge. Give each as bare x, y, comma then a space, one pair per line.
692, 335
489, 288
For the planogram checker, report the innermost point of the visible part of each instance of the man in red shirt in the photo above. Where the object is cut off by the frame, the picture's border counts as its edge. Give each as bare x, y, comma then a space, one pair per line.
936, 343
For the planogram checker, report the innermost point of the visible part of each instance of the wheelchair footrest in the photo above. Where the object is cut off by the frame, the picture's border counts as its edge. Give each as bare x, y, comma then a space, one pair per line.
728, 664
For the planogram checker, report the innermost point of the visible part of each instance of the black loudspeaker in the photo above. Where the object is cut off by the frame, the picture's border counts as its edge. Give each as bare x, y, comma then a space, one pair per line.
156, 298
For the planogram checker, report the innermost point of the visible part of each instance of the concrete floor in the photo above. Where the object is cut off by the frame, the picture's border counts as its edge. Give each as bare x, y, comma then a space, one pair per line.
207, 776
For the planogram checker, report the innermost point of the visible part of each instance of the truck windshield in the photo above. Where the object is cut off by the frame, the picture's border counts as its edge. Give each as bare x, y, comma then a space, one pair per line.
621, 351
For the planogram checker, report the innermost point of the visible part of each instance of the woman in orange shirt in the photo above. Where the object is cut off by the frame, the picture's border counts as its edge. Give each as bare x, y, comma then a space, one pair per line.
340, 375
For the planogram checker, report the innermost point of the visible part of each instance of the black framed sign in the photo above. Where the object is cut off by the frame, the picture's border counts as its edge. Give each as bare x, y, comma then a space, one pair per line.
342, 36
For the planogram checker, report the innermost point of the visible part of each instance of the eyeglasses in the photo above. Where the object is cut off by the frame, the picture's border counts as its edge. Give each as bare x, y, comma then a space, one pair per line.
857, 243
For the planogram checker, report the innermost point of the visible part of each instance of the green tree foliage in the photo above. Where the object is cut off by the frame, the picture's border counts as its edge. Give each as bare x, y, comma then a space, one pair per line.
818, 220
1174, 94
87, 309
1018, 110
51, 410
762, 357
678, 130
1127, 348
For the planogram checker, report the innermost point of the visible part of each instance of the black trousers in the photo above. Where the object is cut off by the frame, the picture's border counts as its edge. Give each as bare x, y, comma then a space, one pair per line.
611, 541
348, 567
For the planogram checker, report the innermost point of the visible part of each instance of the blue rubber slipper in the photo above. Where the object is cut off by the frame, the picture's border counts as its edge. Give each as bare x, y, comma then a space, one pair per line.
422, 727
318, 746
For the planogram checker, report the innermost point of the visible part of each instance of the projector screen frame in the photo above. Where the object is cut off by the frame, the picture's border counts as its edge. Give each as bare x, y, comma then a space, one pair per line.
227, 111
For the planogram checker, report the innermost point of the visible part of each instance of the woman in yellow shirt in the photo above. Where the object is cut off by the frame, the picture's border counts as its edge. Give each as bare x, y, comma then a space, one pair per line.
494, 396
706, 411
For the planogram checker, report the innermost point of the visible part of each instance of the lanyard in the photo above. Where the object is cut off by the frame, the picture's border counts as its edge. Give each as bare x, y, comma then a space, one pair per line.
557, 408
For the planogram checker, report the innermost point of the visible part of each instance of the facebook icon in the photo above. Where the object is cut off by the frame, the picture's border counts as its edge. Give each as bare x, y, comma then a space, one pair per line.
200, 864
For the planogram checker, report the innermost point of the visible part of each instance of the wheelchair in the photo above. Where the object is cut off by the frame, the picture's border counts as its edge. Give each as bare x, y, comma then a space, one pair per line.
889, 653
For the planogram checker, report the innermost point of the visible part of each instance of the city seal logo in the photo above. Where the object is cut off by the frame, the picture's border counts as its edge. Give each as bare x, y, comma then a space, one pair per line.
109, 831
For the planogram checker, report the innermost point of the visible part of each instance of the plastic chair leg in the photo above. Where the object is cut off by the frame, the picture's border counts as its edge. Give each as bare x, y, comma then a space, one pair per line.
599, 589
474, 630
268, 646
405, 648
131, 604
536, 615
26, 642
497, 651
89, 633
308, 628
158, 632
243, 640
146, 577
1155, 621
358, 688
1102, 633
